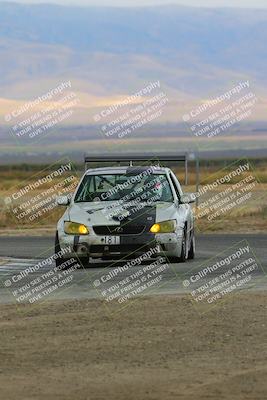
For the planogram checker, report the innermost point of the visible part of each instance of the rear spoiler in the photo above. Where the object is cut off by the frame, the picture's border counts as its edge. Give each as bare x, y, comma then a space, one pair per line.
152, 158
130, 158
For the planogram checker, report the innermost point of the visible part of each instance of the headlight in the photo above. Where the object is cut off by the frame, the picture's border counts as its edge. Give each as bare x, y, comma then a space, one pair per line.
73, 228
164, 227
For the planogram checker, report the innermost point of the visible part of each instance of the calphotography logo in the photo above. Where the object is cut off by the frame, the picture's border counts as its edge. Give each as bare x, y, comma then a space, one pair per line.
39, 280
133, 112
218, 115
217, 280
35, 200
35, 119
145, 272
228, 193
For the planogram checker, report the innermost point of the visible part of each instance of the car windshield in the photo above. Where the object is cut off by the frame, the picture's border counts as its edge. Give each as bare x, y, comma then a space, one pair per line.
114, 187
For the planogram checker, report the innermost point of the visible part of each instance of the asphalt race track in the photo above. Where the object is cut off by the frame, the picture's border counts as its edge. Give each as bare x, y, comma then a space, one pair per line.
18, 253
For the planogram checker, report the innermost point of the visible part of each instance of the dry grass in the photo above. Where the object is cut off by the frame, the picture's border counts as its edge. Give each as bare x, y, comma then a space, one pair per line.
13, 180
251, 217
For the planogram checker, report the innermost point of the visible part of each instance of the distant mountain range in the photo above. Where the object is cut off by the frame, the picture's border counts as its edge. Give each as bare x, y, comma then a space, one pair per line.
197, 43
224, 38
108, 53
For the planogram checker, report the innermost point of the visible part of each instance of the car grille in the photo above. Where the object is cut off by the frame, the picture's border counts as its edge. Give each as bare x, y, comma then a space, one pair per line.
119, 230
129, 249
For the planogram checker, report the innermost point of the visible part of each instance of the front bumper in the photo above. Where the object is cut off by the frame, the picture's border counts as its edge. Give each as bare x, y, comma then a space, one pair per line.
131, 246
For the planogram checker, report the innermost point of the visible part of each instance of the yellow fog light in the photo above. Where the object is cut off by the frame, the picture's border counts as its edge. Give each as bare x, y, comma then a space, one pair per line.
155, 228
164, 227
73, 228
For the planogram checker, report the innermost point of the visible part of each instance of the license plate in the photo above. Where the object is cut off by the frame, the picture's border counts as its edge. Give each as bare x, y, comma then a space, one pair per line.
111, 240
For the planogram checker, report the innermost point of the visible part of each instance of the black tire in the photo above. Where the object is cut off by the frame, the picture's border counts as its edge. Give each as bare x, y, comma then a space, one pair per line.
182, 257
59, 261
84, 262
191, 253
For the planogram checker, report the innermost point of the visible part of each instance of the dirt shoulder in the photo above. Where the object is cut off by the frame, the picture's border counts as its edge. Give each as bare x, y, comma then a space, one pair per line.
158, 348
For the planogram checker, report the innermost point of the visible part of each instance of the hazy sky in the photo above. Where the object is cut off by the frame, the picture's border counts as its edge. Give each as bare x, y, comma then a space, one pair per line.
205, 3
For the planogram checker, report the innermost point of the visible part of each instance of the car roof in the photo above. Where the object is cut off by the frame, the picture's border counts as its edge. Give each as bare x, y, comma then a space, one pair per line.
123, 170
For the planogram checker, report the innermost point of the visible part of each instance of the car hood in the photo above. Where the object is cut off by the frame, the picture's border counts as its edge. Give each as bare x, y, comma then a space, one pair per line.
106, 213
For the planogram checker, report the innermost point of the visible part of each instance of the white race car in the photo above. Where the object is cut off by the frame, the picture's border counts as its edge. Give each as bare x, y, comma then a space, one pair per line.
120, 212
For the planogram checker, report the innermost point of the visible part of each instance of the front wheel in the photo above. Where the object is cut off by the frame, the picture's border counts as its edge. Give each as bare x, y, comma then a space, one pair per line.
192, 250
59, 261
84, 262
183, 256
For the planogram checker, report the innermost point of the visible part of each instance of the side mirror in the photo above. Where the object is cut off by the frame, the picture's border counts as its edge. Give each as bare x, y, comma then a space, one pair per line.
188, 198
63, 201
